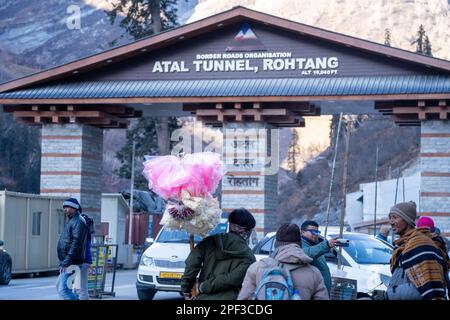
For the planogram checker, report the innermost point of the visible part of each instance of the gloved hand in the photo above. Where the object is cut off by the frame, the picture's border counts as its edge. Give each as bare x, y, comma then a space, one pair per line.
379, 295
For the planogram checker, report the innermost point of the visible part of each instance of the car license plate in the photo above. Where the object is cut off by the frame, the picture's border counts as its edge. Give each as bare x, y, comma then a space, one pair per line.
170, 275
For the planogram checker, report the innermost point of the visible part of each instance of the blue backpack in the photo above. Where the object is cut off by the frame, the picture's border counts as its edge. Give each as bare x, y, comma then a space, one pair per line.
276, 283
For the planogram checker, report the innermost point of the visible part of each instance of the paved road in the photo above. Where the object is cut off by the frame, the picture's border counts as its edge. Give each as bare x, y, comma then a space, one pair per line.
43, 288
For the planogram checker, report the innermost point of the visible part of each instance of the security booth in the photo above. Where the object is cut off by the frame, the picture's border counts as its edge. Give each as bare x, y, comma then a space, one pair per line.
30, 226
248, 73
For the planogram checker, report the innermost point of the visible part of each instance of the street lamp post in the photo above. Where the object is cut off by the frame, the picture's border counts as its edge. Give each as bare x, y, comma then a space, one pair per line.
130, 220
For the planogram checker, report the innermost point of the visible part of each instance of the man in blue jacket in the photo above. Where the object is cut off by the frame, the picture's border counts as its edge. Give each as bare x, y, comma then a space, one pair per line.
316, 248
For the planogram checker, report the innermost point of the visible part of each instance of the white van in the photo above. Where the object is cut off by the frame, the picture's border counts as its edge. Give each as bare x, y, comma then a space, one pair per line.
162, 264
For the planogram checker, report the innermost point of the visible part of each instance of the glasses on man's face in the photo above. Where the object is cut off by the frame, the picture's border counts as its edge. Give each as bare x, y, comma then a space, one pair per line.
314, 232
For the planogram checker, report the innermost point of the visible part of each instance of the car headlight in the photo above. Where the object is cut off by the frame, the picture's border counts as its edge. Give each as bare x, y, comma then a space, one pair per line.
146, 261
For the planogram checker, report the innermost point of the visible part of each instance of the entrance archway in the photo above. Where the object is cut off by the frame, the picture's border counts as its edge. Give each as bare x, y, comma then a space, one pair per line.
239, 69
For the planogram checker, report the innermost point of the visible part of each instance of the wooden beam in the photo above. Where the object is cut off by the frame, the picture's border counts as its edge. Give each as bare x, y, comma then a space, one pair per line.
244, 112
12, 108
95, 121
285, 120
238, 116
48, 114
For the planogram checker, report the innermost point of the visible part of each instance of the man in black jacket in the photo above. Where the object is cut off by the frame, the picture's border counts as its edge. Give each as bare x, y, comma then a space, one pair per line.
71, 247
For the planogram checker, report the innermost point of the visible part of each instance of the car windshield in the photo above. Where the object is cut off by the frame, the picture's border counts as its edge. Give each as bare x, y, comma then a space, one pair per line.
181, 236
366, 250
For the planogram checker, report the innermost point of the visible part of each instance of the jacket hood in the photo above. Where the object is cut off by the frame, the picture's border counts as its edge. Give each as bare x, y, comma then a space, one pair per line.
291, 253
230, 245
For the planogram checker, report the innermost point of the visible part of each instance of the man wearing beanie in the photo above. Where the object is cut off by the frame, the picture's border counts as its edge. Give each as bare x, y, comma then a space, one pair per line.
71, 246
419, 268
306, 278
222, 260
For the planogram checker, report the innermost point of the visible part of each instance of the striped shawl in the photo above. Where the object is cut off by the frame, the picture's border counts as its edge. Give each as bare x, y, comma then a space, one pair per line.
424, 262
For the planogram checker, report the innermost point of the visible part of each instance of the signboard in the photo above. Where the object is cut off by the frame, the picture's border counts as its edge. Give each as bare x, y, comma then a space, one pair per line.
247, 53
97, 272
255, 62
248, 50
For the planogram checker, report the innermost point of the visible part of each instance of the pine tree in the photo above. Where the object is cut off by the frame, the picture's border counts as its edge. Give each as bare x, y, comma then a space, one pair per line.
387, 37
420, 41
427, 49
20, 156
143, 17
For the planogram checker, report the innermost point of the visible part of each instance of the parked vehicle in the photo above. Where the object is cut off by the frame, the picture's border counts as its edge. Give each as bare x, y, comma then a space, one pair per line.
365, 260
5, 266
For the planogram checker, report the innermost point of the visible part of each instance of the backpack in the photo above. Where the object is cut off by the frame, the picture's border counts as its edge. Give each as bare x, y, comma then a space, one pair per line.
275, 284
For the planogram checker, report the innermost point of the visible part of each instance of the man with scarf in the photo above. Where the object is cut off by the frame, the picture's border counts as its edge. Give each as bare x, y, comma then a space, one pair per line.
222, 259
418, 265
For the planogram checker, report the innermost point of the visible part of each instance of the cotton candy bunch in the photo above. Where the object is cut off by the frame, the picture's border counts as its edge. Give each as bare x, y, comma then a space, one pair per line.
198, 173
188, 183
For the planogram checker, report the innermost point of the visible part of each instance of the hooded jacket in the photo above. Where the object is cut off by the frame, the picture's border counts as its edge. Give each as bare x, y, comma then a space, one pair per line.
90, 230
72, 242
317, 253
306, 278
223, 260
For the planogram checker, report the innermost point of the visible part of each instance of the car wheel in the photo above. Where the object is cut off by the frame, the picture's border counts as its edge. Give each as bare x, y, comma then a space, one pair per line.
5, 272
146, 294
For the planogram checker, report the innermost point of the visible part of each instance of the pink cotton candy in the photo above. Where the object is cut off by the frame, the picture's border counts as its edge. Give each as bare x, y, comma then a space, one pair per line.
166, 176
198, 173
205, 171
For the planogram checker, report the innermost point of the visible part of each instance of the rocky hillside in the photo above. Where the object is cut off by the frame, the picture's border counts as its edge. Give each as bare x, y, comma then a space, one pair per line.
307, 194
35, 35
365, 19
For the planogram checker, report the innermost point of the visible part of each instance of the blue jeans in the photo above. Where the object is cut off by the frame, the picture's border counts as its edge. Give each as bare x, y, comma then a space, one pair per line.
82, 292
62, 285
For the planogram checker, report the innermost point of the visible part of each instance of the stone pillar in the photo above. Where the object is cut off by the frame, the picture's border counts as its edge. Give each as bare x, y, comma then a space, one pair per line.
435, 173
71, 165
251, 181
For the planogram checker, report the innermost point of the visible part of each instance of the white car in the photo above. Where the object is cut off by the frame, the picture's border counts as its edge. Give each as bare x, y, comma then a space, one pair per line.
365, 260
162, 264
